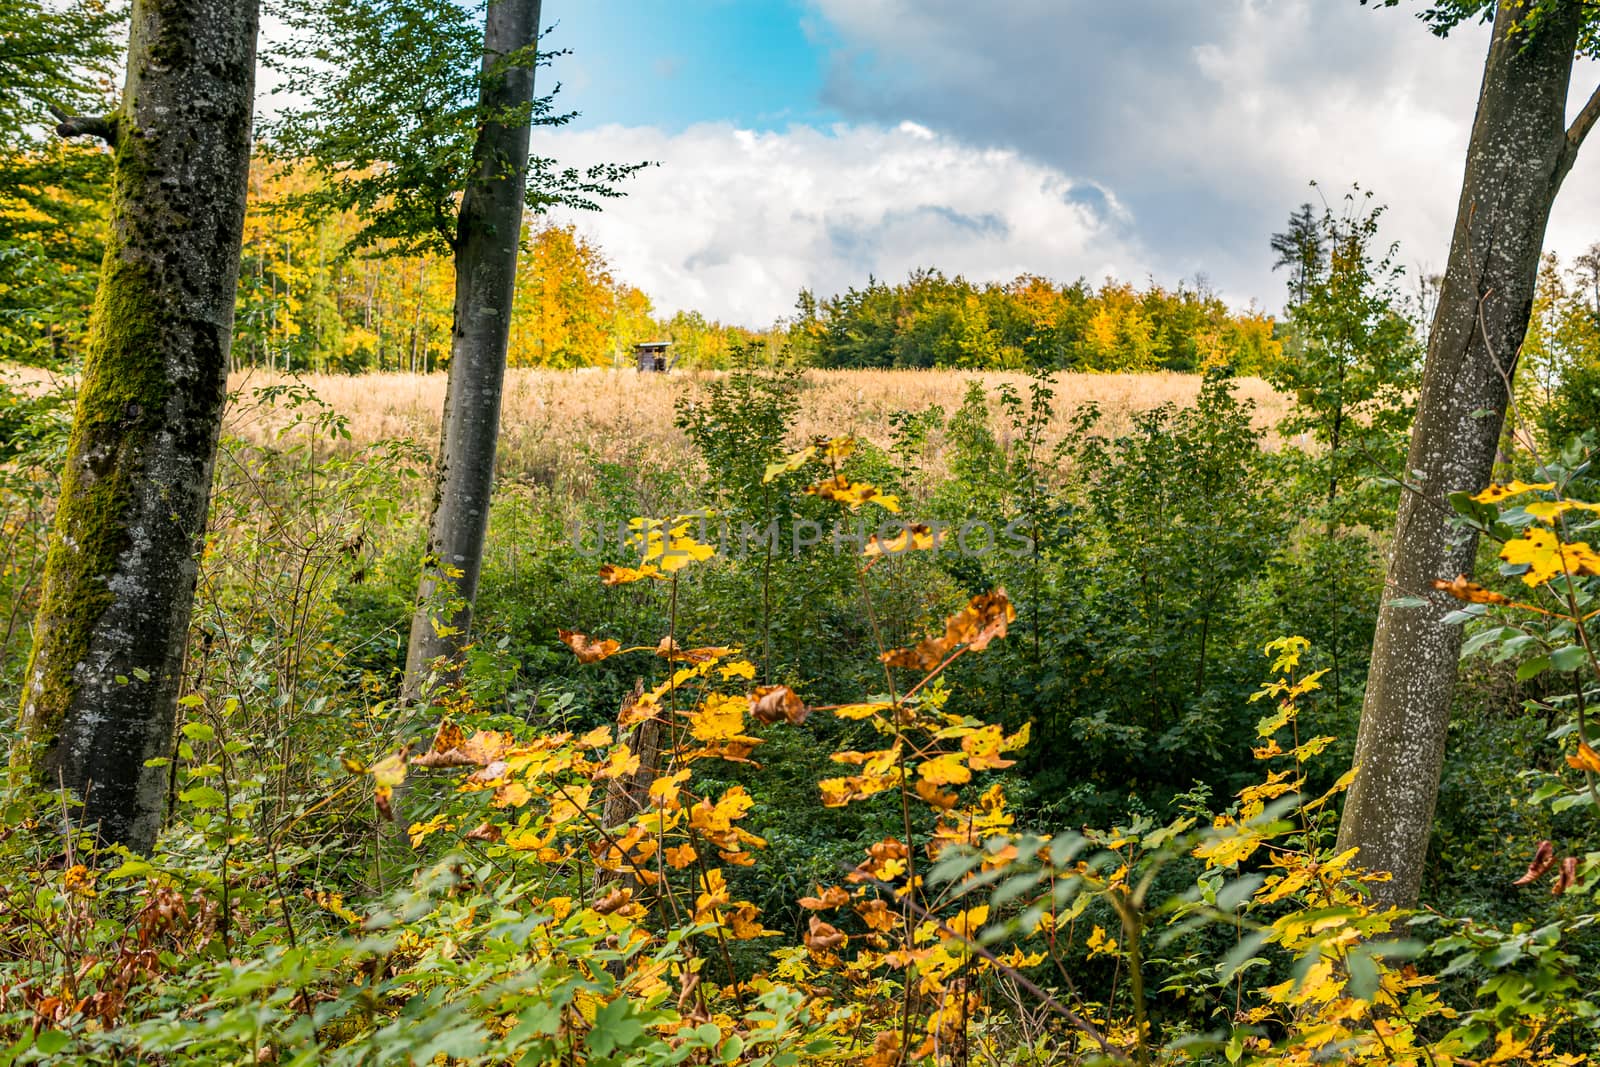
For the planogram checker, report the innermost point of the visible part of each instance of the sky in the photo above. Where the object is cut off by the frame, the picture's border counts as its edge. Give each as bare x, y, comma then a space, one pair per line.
815, 143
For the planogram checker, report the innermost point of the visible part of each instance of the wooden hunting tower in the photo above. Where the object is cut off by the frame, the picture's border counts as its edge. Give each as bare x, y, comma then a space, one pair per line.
652, 356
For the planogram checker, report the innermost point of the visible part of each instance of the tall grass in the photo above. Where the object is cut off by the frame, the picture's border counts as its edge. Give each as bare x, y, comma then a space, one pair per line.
551, 416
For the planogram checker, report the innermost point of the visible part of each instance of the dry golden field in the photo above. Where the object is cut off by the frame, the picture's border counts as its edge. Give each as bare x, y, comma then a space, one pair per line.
555, 420
614, 415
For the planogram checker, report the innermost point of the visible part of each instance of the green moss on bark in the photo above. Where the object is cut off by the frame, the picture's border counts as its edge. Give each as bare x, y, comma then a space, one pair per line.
121, 399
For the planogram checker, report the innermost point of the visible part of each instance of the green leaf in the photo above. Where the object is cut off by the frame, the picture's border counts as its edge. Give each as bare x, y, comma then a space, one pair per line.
1533, 668
1236, 892
615, 1026
199, 731
51, 1042
1242, 955
203, 796
1570, 658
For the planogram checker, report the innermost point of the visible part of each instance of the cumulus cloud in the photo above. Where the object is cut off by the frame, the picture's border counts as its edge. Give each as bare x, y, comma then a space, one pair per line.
1206, 121
734, 222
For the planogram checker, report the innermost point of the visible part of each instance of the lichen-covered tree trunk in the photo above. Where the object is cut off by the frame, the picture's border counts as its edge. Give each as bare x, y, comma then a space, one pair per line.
100, 694
487, 234
1519, 152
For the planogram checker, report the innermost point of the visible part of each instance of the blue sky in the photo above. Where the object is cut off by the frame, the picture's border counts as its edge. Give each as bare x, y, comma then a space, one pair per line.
810, 143
756, 63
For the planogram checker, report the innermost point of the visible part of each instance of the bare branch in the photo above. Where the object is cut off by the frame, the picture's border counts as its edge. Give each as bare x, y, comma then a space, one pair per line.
1576, 133
105, 127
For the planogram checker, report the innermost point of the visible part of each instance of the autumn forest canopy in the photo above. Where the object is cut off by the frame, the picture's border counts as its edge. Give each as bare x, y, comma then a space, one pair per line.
970, 665
316, 294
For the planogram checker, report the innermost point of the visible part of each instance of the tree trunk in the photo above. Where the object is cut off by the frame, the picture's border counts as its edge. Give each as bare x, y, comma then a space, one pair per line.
487, 232
100, 693
1519, 152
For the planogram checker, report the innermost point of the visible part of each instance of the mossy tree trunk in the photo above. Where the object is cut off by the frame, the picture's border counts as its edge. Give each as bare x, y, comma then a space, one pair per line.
100, 694
1520, 150
488, 231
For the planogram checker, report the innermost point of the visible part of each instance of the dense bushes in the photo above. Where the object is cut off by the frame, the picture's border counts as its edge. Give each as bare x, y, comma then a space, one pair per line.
284, 919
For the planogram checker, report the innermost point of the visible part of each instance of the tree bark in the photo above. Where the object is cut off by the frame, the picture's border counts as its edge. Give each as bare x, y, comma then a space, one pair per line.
488, 230
1519, 152
100, 693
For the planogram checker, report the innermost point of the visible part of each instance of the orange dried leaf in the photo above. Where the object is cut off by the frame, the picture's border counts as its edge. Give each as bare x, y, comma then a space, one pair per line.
1567, 878
772, 703
1470, 591
933, 796
984, 618
615, 900
821, 936
1587, 759
831, 897
1543, 856
614, 574
587, 649
670, 650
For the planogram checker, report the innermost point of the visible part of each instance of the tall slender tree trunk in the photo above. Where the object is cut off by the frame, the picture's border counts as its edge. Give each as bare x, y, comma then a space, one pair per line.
487, 232
100, 693
1520, 151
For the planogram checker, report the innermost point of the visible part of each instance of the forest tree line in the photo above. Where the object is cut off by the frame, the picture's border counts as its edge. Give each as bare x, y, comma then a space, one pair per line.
309, 300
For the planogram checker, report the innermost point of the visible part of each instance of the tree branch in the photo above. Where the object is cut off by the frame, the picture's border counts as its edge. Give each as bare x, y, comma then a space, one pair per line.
1576, 133
105, 127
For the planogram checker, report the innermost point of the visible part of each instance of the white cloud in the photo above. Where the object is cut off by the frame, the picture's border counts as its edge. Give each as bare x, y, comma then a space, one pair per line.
1205, 120
734, 223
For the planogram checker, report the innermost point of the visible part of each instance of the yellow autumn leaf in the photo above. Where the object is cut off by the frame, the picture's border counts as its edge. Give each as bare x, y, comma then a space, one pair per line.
1508, 490
719, 718
1099, 944
1548, 557
1226, 850
947, 769
738, 669
860, 711
613, 574
852, 494
1498, 492
917, 537
596, 738
682, 551
793, 462
1547, 511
